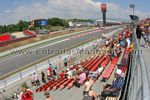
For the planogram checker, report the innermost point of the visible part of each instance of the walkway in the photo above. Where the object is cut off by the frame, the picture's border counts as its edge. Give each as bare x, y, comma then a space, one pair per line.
146, 56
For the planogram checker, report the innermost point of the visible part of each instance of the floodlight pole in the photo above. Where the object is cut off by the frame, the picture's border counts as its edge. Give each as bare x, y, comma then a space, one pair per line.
132, 6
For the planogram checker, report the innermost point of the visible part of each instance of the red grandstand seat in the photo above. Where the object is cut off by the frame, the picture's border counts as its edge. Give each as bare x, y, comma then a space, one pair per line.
98, 63
27, 32
44, 87
66, 83
59, 84
109, 70
5, 37
124, 61
105, 63
91, 61
48, 84
94, 62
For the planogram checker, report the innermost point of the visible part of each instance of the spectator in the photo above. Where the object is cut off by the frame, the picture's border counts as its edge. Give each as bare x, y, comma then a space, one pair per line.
36, 79
93, 75
43, 77
86, 71
115, 88
107, 43
65, 62
99, 70
122, 43
55, 72
80, 79
145, 39
127, 36
32, 80
118, 49
74, 72
69, 73
49, 73
48, 97
91, 95
87, 86
26, 93
15, 96
80, 68
147, 33
62, 75
71, 67
112, 54
138, 33
52, 67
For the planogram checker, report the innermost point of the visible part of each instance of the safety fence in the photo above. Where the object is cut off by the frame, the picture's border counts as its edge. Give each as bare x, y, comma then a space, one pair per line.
137, 87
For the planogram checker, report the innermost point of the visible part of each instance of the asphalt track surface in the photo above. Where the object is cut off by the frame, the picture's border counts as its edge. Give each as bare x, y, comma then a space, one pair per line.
15, 61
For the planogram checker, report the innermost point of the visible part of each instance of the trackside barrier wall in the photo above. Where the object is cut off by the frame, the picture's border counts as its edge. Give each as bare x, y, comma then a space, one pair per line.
138, 87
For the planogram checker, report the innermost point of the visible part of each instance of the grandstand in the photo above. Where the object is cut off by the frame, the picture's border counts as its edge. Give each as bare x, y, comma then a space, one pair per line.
7, 39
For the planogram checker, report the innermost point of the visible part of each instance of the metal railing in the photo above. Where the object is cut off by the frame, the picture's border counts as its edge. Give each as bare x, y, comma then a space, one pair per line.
138, 86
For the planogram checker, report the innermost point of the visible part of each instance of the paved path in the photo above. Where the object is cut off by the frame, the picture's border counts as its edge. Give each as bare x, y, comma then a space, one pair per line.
146, 56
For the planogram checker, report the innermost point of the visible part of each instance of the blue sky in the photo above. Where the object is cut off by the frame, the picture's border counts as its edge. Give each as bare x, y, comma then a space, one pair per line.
12, 11
143, 5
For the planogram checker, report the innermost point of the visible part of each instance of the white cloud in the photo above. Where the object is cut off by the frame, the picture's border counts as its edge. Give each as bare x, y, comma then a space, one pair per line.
66, 9
7, 11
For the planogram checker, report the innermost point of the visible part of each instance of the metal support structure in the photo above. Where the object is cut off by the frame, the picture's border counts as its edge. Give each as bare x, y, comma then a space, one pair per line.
104, 19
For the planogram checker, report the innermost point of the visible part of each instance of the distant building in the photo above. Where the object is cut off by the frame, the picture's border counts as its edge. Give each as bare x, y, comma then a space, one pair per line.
80, 24
108, 22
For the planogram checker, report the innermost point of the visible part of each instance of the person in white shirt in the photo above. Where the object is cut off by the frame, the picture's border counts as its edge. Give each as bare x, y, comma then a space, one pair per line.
69, 73
36, 79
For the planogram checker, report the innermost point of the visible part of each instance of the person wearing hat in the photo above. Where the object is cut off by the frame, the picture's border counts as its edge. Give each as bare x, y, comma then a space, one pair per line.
48, 97
114, 89
26, 93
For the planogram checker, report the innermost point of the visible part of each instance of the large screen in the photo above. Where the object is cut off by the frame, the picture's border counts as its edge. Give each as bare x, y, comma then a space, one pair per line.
43, 22
40, 22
